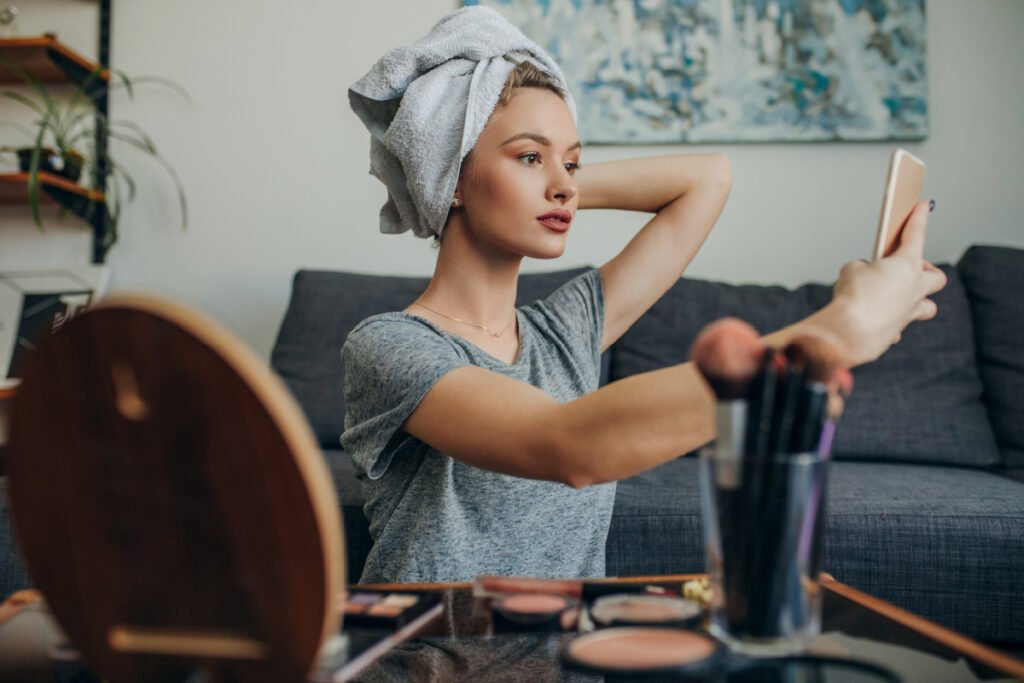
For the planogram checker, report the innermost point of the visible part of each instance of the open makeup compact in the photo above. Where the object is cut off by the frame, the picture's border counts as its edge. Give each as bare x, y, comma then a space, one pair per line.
629, 632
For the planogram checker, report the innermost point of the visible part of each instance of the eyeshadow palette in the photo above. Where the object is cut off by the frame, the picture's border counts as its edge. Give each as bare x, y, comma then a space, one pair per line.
367, 608
29, 636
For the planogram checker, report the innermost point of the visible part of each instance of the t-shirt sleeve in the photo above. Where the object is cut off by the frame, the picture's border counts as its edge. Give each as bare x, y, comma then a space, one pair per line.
575, 313
389, 367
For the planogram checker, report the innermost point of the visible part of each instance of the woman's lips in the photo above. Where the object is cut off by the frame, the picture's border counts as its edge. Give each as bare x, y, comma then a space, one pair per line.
558, 221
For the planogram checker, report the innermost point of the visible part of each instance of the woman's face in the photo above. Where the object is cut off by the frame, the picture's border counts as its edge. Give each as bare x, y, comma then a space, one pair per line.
517, 189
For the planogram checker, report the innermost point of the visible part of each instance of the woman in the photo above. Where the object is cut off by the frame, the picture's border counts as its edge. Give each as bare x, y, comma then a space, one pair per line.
483, 442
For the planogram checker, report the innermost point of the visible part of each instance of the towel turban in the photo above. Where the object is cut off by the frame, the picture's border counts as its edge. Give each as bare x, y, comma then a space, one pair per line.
426, 103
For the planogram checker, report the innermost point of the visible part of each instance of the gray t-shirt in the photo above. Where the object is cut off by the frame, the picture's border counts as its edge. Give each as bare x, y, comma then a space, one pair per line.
434, 518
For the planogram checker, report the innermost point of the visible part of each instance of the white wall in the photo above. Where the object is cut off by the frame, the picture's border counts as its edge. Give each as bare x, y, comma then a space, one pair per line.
275, 164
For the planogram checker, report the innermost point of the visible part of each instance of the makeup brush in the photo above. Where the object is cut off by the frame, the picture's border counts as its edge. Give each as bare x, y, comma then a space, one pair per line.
842, 383
772, 508
821, 359
797, 415
813, 530
750, 504
840, 388
760, 415
788, 394
727, 353
762, 403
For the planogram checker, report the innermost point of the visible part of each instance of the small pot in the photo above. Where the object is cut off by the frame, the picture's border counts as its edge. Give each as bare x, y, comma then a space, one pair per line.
67, 165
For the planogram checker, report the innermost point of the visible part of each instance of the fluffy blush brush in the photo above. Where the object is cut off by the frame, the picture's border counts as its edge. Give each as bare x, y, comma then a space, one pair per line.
729, 353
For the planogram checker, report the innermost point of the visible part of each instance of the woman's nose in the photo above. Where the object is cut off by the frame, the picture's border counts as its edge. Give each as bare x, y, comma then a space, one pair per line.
562, 187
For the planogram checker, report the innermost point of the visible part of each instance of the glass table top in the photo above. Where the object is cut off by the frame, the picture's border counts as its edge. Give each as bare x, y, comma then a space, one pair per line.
461, 646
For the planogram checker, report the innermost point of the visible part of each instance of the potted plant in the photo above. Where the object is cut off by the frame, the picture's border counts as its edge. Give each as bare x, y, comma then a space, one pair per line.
67, 164
64, 136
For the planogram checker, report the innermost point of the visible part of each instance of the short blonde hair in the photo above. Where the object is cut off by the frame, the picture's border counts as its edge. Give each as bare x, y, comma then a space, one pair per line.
527, 75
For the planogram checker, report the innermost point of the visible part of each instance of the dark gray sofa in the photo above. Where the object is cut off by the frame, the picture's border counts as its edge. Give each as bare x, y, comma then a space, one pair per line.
924, 511
921, 513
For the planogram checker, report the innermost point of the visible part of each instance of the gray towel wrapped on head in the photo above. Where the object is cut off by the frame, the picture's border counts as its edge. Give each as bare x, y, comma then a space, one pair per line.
427, 103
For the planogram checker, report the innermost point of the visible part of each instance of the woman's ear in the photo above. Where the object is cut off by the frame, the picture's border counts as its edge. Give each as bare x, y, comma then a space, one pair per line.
457, 194
464, 171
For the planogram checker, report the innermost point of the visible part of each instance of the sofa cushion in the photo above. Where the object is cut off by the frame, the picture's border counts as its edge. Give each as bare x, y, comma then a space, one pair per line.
13, 575
994, 278
324, 307
920, 402
350, 495
943, 542
946, 543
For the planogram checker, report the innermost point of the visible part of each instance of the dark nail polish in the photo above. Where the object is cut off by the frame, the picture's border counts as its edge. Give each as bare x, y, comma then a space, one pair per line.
931, 205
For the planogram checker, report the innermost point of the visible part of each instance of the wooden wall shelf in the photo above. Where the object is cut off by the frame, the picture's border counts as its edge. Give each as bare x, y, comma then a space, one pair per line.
14, 188
46, 59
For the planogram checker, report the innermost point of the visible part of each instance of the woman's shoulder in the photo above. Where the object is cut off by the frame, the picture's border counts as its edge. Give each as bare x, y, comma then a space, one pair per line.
384, 333
579, 297
383, 326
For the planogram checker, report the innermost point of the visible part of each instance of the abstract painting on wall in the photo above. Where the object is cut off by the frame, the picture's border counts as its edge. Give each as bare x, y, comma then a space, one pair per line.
665, 71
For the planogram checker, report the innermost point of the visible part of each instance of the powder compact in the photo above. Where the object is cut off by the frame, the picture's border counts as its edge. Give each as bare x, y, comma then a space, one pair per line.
635, 653
530, 612
641, 651
645, 610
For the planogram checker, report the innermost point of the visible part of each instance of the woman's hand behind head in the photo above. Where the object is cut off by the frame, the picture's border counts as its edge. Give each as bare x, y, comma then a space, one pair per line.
879, 300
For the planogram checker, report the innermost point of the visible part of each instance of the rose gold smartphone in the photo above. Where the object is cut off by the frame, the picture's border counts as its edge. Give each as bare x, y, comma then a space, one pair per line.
902, 192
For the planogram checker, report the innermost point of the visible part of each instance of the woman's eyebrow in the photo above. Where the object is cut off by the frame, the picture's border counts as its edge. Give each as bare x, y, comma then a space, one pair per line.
539, 139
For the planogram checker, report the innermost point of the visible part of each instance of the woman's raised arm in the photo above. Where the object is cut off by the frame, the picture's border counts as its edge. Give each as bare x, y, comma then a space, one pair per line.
873, 302
687, 192
497, 423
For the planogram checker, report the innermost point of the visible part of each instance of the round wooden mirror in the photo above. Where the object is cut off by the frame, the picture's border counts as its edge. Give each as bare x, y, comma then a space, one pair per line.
170, 500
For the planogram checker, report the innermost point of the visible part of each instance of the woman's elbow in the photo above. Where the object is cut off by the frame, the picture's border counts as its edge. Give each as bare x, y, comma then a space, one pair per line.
563, 451
721, 172
577, 476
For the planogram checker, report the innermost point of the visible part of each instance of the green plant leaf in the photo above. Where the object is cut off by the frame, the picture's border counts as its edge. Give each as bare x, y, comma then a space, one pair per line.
33, 181
147, 141
73, 141
73, 124
89, 86
182, 202
143, 145
25, 76
132, 83
24, 130
18, 97
119, 172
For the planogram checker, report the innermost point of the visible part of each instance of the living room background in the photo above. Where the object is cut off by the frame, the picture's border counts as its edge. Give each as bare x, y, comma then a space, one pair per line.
275, 163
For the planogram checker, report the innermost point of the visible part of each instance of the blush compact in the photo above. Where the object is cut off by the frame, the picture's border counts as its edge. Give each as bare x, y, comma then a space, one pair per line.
645, 610
530, 612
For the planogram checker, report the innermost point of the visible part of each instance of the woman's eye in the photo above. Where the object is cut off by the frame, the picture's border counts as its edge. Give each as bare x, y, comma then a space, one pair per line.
572, 167
530, 159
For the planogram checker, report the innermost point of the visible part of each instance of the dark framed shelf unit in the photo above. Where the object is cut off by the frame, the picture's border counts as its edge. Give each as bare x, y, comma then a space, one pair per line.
50, 61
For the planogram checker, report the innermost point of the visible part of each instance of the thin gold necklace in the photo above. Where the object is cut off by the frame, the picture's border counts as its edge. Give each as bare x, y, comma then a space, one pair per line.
486, 329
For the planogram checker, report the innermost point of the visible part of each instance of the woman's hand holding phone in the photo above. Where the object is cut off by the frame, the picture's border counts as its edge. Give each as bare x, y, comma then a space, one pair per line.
879, 299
